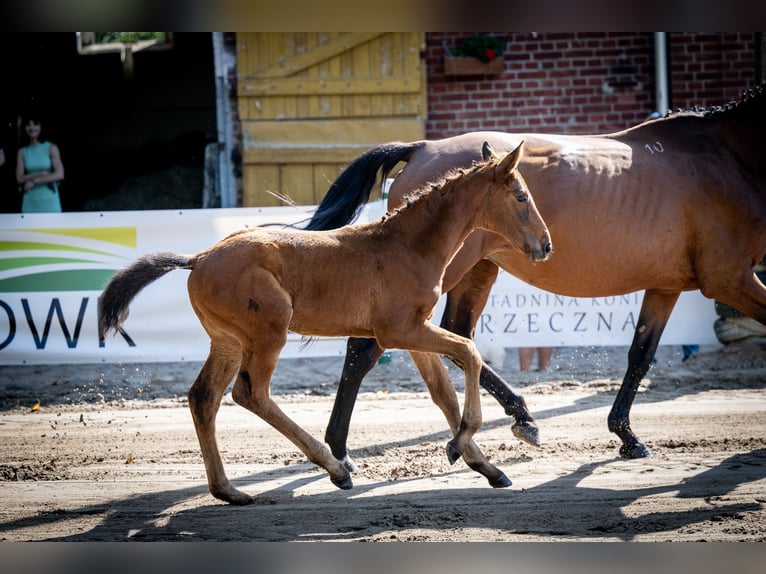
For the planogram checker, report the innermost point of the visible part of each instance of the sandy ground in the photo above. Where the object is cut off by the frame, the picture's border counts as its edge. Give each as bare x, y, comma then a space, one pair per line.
110, 455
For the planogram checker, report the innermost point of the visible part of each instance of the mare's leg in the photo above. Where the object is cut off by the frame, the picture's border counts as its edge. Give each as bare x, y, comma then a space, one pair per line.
361, 356
654, 315
251, 390
443, 395
204, 401
465, 302
744, 292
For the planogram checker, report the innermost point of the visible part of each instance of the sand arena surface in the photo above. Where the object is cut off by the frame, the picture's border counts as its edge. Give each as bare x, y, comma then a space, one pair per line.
111, 454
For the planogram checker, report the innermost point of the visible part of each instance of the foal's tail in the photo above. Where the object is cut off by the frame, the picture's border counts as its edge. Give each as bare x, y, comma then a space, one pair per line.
351, 190
126, 283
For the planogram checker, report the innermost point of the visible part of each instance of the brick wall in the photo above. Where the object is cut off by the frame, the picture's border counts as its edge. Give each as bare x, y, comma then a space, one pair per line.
710, 69
582, 82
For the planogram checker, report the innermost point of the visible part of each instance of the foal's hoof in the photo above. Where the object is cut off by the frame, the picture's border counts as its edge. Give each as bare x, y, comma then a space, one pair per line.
636, 450
349, 464
528, 432
501, 481
236, 498
343, 482
452, 453
242, 501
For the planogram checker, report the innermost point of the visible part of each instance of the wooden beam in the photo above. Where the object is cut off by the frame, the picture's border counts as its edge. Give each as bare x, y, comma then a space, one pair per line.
286, 134
325, 87
303, 154
300, 62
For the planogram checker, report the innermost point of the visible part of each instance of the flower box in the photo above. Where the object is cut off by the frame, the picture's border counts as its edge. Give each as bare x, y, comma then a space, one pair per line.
467, 66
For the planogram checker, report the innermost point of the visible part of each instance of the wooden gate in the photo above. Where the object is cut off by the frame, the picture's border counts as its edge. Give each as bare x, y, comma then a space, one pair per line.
311, 102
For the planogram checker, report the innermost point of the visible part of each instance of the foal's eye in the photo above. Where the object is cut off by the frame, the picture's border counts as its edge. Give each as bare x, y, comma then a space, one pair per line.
521, 198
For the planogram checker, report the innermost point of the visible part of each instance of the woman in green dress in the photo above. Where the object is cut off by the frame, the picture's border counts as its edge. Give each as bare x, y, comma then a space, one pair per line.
39, 171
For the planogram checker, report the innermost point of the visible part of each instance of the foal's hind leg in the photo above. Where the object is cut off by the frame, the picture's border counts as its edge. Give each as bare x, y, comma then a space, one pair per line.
204, 401
251, 390
443, 395
463, 308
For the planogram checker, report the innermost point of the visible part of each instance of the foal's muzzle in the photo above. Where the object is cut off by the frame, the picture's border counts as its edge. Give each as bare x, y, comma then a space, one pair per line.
541, 250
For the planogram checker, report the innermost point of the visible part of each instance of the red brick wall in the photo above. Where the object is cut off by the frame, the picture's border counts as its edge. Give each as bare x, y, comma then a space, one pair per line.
710, 69
582, 82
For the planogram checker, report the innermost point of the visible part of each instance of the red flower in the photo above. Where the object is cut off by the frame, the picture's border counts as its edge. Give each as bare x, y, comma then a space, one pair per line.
490, 54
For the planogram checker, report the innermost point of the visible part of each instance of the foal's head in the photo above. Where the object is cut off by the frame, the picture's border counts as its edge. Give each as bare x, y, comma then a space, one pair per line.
510, 210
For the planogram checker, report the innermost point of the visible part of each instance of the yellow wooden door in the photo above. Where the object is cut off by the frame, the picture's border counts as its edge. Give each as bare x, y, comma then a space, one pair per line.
311, 102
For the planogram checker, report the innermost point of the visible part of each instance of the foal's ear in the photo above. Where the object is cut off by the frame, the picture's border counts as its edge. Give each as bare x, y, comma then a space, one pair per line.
510, 161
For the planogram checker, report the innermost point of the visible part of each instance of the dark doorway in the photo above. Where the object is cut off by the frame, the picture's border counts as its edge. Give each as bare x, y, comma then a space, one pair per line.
127, 141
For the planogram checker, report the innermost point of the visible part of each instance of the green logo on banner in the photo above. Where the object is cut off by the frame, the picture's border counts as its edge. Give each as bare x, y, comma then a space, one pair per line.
64, 259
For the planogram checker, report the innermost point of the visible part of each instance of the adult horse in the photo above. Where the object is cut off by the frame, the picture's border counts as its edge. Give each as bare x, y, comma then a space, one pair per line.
671, 205
250, 288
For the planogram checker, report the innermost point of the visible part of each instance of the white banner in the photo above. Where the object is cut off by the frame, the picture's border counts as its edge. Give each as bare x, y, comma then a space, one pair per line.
53, 267
519, 315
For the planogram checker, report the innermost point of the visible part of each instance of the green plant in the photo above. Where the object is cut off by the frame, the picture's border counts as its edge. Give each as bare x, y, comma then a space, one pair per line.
482, 47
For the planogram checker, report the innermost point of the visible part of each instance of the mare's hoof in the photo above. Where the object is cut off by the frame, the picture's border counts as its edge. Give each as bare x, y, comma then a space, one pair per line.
501, 481
349, 464
452, 453
528, 432
637, 450
343, 482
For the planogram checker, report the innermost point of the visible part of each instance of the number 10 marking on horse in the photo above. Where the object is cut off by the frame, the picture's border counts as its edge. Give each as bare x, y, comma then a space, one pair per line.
655, 147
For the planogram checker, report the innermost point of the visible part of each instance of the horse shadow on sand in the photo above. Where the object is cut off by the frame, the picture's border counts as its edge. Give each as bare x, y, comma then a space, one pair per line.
562, 507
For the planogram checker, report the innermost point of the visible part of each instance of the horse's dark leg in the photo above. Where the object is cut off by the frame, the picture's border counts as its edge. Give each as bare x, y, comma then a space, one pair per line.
464, 305
361, 356
654, 315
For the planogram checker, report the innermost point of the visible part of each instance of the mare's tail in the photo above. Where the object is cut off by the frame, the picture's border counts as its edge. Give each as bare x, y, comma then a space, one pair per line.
348, 194
126, 283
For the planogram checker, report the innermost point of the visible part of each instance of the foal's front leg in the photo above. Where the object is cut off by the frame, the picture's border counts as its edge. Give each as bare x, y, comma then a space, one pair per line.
443, 394
471, 420
428, 338
463, 308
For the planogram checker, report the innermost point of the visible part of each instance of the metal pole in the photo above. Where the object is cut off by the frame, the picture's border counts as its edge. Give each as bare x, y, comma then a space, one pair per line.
661, 95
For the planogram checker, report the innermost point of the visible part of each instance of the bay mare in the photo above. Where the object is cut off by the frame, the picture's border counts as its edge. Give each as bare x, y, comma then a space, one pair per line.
671, 205
378, 280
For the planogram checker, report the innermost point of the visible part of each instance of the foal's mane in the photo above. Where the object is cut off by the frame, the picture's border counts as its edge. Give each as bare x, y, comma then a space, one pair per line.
443, 186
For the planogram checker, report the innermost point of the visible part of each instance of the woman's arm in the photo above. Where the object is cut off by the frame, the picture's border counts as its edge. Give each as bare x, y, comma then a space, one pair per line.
21, 177
58, 167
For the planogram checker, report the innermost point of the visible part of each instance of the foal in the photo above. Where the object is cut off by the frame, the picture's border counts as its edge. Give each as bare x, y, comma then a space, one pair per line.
378, 280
